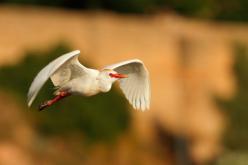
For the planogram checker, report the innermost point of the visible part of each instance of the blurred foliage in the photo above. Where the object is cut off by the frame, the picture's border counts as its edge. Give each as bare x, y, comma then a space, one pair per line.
101, 117
233, 158
236, 108
234, 10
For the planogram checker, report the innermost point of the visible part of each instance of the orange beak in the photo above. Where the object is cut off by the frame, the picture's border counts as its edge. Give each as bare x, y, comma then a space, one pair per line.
118, 75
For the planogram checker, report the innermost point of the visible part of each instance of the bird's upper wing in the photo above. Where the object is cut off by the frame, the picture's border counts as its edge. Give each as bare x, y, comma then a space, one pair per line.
137, 86
59, 70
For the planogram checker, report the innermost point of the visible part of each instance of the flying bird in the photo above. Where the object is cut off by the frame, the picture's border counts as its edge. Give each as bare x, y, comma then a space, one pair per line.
70, 77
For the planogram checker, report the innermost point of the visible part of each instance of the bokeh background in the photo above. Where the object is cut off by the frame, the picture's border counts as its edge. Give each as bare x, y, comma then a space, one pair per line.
197, 55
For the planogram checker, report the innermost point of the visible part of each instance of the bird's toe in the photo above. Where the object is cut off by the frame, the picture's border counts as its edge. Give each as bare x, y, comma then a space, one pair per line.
42, 106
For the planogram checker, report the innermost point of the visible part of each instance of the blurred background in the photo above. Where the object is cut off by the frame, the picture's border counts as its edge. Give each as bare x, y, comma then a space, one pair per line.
197, 55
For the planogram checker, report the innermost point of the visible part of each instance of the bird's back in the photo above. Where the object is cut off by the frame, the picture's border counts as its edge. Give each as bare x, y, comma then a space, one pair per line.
86, 84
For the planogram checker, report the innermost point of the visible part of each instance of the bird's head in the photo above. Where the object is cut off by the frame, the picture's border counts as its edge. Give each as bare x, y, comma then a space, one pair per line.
107, 77
113, 75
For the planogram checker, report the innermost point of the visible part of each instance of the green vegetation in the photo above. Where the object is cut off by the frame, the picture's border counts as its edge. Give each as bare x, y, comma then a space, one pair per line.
237, 108
101, 117
232, 10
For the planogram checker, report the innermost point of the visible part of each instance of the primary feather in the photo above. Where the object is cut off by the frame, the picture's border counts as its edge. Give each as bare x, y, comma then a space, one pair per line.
137, 86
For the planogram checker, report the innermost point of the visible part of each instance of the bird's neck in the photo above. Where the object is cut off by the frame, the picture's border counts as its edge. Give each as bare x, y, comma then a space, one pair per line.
104, 85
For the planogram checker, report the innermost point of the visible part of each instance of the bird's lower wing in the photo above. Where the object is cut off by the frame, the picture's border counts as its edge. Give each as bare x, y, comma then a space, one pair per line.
47, 72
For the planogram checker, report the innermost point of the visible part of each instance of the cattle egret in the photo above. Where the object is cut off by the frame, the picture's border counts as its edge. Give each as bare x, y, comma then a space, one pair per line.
69, 77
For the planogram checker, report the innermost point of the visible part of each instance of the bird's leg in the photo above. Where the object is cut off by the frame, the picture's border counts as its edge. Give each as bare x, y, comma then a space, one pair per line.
58, 97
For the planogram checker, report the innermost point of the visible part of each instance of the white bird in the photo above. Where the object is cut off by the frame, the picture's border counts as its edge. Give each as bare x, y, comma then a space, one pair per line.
69, 77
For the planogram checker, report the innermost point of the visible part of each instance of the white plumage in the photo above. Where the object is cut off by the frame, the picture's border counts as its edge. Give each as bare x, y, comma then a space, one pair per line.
69, 76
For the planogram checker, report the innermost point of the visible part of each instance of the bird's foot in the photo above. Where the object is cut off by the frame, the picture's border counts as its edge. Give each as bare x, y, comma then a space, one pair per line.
48, 103
43, 106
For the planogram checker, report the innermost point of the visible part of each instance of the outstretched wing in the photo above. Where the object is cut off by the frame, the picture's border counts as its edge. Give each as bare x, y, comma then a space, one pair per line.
59, 70
137, 86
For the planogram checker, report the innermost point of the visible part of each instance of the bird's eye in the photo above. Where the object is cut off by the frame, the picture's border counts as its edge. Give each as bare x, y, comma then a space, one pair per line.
111, 74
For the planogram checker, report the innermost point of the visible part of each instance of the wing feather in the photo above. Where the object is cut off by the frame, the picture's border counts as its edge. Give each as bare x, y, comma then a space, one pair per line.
136, 87
135, 99
53, 70
138, 100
